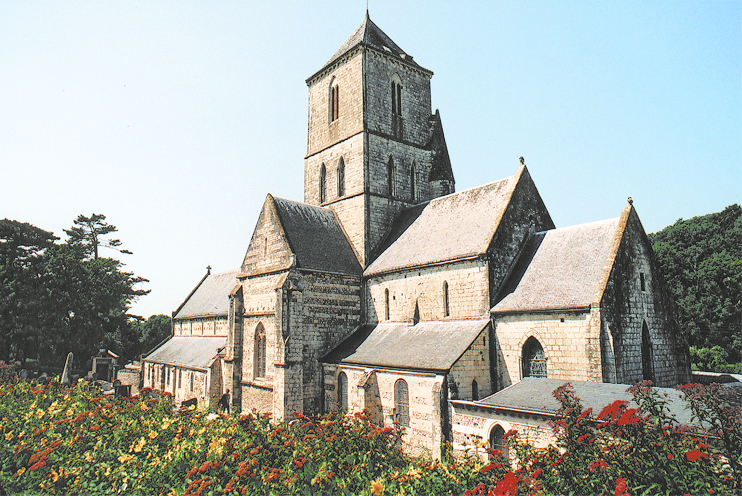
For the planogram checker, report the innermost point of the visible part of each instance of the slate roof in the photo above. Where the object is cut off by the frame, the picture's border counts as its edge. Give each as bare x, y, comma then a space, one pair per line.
211, 296
433, 345
455, 226
316, 238
188, 351
560, 268
535, 395
370, 35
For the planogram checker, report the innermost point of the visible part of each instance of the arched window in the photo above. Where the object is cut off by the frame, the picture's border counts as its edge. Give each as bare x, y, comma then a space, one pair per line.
534, 359
260, 351
446, 311
343, 391
180, 378
474, 390
341, 178
647, 365
390, 177
412, 182
496, 442
397, 106
334, 99
386, 304
402, 403
322, 184
191, 381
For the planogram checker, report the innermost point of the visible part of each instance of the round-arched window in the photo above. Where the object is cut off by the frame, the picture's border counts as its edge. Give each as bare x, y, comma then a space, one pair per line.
402, 403
534, 359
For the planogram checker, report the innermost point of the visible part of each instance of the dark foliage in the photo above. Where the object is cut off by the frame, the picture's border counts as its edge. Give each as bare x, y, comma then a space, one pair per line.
701, 259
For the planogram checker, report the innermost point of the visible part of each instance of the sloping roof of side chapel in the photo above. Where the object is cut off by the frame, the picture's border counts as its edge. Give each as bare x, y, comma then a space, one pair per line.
457, 226
210, 297
430, 345
316, 238
563, 268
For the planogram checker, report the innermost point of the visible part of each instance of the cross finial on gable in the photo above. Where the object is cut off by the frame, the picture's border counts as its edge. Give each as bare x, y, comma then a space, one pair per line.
631, 202
208, 269
522, 161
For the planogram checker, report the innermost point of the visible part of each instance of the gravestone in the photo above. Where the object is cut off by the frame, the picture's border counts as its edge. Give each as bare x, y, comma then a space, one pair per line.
67, 372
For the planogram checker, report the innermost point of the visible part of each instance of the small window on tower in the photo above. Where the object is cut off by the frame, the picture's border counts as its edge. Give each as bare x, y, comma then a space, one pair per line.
334, 101
341, 178
322, 184
396, 106
641, 281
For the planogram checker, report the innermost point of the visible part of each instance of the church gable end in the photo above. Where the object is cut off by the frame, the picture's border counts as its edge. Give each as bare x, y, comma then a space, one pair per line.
641, 334
268, 250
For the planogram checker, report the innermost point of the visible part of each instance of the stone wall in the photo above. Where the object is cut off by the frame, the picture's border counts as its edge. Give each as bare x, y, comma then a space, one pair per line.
471, 426
627, 307
474, 365
468, 293
571, 343
181, 382
347, 73
374, 390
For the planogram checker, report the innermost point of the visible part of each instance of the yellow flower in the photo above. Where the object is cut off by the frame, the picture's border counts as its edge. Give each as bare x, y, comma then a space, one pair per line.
166, 423
377, 487
20, 471
138, 447
143, 406
40, 413
88, 456
152, 434
9, 436
55, 476
70, 412
124, 459
201, 431
108, 472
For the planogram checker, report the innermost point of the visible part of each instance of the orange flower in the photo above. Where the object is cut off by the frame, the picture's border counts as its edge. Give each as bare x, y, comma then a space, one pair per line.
377, 487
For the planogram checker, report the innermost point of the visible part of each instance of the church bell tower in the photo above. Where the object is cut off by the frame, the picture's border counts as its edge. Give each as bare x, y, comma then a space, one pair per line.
374, 147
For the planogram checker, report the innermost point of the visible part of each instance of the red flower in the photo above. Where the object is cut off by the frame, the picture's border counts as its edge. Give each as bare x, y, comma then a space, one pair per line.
613, 410
537, 473
598, 464
490, 467
508, 485
584, 414
695, 455
629, 417
670, 456
620, 487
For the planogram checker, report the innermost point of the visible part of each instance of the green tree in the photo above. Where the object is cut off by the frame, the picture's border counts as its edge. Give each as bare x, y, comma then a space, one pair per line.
701, 259
88, 233
22, 297
152, 332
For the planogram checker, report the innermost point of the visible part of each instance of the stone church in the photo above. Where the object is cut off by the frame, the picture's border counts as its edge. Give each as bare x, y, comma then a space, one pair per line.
387, 290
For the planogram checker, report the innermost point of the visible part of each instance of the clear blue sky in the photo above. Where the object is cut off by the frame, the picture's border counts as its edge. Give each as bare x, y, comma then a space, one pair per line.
175, 119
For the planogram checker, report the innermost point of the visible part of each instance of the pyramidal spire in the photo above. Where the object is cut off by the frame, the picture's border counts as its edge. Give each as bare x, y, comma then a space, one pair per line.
370, 35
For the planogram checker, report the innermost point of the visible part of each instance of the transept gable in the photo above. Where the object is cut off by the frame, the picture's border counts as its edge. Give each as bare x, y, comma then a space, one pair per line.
269, 250
453, 227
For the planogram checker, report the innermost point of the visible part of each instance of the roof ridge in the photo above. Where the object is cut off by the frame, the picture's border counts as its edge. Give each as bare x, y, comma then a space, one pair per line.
618, 235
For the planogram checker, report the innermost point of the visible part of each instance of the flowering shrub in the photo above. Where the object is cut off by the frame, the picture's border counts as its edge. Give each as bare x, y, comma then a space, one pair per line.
71, 440
627, 451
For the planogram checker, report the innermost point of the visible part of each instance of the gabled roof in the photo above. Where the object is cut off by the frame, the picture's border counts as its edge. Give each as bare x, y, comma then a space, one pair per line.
535, 395
210, 297
561, 268
451, 227
316, 238
188, 351
370, 35
433, 345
